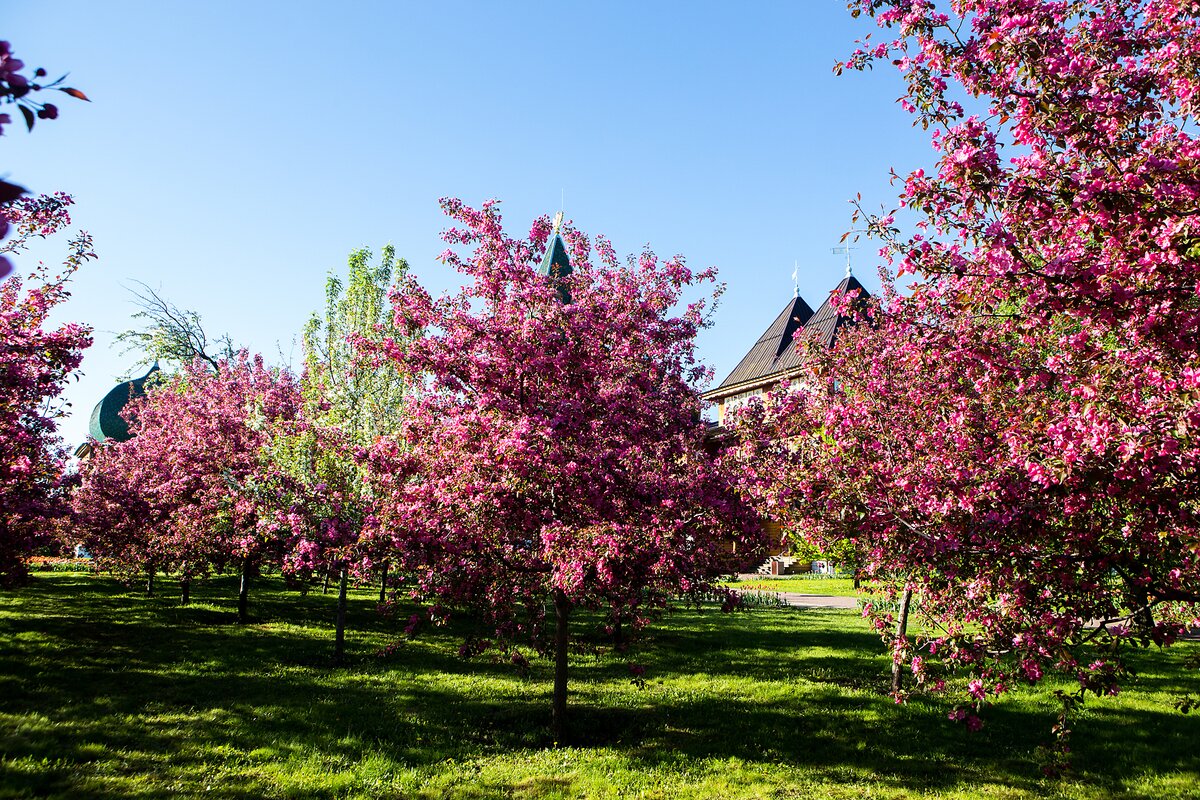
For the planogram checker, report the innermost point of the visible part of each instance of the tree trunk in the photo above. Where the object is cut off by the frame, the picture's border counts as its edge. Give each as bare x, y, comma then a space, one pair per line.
339, 637
1143, 614
243, 612
325, 588
901, 632
1146, 615
562, 615
383, 584
185, 593
150, 581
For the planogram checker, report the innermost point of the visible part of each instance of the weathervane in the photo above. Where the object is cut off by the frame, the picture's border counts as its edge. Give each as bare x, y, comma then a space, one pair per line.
837, 251
795, 279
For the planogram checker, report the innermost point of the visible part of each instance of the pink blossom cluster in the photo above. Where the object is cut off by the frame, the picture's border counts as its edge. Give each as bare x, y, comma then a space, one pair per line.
16, 88
1014, 435
557, 452
36, 360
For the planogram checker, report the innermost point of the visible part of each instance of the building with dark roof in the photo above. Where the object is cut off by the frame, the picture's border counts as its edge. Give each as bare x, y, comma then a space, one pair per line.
776, 355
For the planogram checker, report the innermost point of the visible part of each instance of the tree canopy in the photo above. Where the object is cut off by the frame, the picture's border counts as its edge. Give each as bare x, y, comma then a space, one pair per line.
1013, 438
556, 454
35, 362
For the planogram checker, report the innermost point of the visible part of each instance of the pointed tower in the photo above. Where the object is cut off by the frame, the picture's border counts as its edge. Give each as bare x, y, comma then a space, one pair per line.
826, 322
556, 265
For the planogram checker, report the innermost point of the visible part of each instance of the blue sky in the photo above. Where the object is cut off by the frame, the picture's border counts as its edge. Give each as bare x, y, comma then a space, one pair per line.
234, 152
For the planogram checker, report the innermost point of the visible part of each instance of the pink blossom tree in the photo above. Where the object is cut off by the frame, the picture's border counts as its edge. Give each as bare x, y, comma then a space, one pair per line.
555, 457
186, 493
35, 362
1013, 440
310, 491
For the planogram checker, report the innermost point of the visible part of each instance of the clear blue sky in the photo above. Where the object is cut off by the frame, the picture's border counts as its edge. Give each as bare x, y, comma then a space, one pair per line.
234, 152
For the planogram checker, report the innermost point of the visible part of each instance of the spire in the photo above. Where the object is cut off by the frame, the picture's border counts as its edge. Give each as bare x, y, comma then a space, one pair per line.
844, 249
556, 265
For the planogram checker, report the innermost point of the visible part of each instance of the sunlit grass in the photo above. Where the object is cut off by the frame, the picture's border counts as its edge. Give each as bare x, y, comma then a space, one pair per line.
818, 585
106, 693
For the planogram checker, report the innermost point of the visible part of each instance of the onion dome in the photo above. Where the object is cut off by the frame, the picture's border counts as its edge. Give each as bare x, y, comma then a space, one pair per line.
106, 422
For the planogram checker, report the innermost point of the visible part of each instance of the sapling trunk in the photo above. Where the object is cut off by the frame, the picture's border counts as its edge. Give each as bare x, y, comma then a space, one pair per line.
339, 637
562, 616
325, 588
185, 591
243, 611
150, 581
901, 632
383, 584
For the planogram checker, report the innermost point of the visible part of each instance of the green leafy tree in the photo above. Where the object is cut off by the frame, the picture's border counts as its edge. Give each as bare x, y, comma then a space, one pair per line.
352, 387
352, 397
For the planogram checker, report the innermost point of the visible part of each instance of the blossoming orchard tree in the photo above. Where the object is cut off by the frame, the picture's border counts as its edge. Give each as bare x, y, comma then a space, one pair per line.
35, 362
554, 458
1015, 442
185, 493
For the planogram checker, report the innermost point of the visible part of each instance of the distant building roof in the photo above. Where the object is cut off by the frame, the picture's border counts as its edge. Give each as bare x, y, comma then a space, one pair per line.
826, 323
106, 421
776, 354
556, 264
775, 350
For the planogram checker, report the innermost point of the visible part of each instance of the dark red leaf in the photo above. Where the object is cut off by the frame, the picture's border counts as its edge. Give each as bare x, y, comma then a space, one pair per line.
29, 118
10, 191
75, 93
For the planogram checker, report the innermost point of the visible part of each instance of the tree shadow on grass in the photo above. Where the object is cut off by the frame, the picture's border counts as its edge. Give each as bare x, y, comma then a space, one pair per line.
105, 693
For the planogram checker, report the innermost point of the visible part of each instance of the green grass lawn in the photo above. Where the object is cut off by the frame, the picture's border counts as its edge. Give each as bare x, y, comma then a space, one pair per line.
816, 584
104, 693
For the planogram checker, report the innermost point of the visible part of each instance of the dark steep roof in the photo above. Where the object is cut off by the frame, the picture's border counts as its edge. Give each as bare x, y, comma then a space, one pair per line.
556, 265
775, 350
826, 323
776, 353
106, 421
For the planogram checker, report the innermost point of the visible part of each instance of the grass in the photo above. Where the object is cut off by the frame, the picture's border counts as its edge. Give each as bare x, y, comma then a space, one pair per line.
105, 693
801, 584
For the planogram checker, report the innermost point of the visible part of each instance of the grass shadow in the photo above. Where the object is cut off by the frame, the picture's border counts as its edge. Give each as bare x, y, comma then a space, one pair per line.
106, 693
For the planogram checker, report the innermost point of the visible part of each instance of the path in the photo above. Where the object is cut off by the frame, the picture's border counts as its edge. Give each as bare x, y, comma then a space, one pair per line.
804, 600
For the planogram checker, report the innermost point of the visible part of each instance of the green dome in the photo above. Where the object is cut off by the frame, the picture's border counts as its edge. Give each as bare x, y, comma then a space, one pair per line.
106, 421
